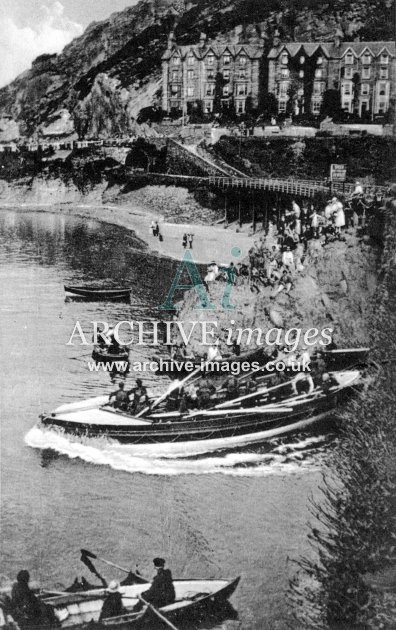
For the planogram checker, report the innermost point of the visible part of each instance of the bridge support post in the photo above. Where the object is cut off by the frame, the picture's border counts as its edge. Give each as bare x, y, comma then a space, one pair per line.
239, 209
225, 210
254, 215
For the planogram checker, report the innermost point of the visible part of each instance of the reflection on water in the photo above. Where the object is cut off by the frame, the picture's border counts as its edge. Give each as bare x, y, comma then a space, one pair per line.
244, 518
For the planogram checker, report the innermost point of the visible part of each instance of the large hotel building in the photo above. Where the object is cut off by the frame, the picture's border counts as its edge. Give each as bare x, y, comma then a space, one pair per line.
300, 72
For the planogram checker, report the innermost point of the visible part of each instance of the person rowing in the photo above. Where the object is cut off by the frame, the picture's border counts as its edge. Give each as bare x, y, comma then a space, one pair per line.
161, 592
121, 397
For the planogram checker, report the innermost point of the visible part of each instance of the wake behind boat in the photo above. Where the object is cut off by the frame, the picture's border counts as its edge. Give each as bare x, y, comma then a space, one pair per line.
99, 293
249, 418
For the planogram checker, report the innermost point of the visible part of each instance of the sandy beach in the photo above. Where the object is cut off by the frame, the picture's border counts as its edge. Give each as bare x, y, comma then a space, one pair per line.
210, 243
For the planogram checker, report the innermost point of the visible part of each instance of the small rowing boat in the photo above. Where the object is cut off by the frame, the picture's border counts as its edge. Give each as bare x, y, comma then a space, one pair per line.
345, 358
94, 293
81, 610
105, 355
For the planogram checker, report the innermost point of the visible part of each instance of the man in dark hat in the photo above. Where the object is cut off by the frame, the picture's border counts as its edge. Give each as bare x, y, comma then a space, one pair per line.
161, 592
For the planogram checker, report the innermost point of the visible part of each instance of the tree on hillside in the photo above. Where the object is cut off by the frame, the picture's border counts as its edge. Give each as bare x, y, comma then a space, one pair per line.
331, 104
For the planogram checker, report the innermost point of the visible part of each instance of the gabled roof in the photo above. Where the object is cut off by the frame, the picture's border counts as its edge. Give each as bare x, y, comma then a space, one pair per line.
253, 52
330, 50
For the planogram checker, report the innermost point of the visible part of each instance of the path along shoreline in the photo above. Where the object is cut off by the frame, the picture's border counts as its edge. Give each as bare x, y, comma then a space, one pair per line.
210, 243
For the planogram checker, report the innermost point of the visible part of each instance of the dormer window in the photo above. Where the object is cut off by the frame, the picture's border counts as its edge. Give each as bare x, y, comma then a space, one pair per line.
366, 58
285, 73
383, 73
285, 59
302, 59
210, 60
301, 74
226, 59
349, 58
318, 73
190, 59
176, 61
242, 60
319, 61
384, 58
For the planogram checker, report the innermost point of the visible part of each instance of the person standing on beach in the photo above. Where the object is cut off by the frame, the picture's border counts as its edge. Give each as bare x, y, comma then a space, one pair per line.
184, 240
190, 240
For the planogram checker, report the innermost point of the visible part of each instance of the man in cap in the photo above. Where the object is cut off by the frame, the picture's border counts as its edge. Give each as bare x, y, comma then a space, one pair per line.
161, 592
112, 605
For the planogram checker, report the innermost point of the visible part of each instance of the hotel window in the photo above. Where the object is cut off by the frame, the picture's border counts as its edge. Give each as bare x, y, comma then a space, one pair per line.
366, 58
349, 59
210, 74
315, 107
242, 60
300, 91
302, 60
210, 90
176, 61
226, 59
190, 74
283, 89
301, 74
318, 73
347, 89
382, 89
285, 59
240, 107
190, 91
242, 89
383, 73
226, 90
174, 89
282, 106
208, 107
226, 75
365, 88
348, 73
366, 72
384, 58
284, 73
190, 59
381, 107
175, 75
319, 61
210, 60
242, 74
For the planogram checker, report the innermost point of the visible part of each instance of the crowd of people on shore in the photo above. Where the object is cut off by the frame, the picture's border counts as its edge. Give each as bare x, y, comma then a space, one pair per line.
293, 239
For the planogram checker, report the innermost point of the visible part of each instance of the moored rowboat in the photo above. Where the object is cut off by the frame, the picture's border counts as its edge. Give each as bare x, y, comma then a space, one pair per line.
94, 293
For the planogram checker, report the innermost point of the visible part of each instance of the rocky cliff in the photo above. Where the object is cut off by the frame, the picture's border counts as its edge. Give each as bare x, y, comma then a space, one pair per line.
101, 80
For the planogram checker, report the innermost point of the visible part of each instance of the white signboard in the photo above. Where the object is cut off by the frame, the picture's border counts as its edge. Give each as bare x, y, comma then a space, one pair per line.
338, 172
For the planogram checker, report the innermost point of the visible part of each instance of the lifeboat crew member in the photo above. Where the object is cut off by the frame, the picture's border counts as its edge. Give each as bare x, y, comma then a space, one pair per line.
112, 605
140, 397
205, 391
161, 592
121, 397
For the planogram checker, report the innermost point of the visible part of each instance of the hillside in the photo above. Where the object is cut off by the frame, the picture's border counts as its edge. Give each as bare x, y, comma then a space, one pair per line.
101, 80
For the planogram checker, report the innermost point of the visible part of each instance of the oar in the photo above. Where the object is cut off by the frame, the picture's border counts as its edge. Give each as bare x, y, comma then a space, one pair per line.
157, 612
177, 385
85, 552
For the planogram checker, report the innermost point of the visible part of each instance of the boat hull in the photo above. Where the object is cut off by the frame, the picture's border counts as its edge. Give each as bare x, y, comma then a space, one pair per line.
90, 293
82, 610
